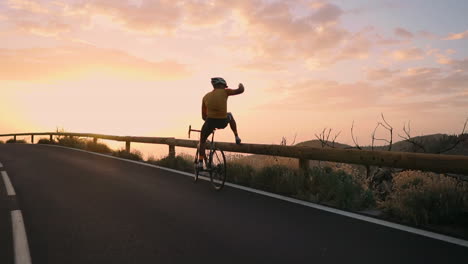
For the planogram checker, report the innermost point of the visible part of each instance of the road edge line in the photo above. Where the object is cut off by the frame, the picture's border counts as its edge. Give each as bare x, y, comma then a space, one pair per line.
413, 230
20, 240
9, 187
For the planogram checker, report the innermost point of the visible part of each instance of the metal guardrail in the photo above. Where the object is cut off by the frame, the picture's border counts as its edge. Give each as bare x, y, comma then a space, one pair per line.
418, 161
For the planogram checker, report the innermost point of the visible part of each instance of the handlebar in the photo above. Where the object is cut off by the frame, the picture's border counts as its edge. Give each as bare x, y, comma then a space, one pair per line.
194, 130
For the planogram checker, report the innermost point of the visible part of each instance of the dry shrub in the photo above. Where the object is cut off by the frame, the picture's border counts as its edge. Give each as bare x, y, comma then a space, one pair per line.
422, 198
133, 155
97, 147
18, 141
182, 162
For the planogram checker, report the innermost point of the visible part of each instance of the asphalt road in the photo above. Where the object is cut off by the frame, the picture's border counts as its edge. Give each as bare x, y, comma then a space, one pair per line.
83, 208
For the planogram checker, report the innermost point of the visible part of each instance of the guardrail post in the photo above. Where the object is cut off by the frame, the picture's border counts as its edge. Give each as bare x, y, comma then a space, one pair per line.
172, 151
14, 138
127, 146
32, 139
95, 140
304, 164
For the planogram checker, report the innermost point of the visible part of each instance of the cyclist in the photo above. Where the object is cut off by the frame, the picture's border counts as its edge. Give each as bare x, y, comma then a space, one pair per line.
214, 112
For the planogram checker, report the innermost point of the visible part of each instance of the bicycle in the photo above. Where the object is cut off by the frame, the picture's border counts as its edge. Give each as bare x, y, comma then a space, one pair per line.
215, 162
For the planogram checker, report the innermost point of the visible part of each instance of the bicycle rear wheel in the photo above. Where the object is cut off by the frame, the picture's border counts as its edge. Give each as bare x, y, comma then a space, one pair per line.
217, 169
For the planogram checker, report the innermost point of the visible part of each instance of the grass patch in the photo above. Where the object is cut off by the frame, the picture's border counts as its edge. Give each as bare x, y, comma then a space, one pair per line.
181, 162
337, 188
97, 147
240, 173
18, 141
279, 179
46, 141
133, 155
326, 186
79, 143
2, 142
422, 198
71, 142
90, 145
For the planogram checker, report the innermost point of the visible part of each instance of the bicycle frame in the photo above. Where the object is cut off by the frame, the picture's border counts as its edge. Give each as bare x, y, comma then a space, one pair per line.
212, 143
217, 173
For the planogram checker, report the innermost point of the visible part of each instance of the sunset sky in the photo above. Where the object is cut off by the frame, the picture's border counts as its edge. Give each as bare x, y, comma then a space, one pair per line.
141, 67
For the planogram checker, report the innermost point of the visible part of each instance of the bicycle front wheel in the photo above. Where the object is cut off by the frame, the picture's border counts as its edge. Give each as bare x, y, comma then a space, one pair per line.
196, 169
217, 169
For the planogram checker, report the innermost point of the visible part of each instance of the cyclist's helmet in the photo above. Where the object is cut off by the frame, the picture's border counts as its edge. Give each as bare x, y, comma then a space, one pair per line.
218, 80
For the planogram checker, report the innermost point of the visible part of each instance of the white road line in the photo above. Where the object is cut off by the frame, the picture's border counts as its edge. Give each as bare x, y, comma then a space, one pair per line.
20, 241
409, 229
9, 188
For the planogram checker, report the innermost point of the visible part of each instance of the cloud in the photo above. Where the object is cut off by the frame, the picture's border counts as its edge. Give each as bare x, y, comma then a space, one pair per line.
270, 29
46, 28
456, 36
261, 65
64, 63
40, 17
325, 13
427, 35
460, 65
357, 46
407, 54
205, 13
403, 33
429, 81
326, 95
380, 74
28, 5
147, 16
443, 59
414, 81
421, 88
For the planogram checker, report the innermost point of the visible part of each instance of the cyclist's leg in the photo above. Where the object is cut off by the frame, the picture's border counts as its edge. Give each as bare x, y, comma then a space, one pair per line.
233, 125
206, 130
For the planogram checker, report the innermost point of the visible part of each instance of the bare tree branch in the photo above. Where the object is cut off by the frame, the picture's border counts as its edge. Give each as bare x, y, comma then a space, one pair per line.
460, 138
354, 139
294, 141
373, 135
334, 139
387, 126
408, 137
324, 138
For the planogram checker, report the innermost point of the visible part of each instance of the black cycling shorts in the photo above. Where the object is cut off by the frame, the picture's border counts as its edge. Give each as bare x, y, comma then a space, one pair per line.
212, 123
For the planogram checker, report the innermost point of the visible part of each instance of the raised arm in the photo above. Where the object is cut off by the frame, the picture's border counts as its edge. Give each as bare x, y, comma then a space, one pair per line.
238, 90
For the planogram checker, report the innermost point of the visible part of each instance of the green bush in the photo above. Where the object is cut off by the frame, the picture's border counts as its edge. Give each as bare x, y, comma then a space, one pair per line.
337, 188
240, 173
72, 142
18, 141
422, 198
180, 162
45, 141
279, 179
134, 155
317, 185
2, 142
97, 147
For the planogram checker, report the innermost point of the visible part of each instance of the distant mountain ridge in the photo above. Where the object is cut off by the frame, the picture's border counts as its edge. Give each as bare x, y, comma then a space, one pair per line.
432, 143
